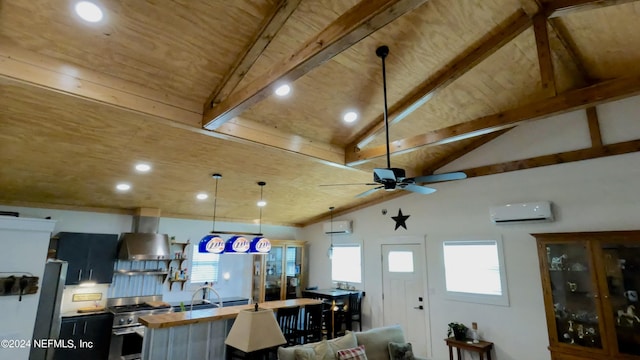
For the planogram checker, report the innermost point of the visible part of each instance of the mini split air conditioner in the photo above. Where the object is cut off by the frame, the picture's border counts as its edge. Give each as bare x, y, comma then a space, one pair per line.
539, 211
338, 227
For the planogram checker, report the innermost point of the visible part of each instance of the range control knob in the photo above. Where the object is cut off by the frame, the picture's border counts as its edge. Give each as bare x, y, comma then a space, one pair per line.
130, 320
121, 321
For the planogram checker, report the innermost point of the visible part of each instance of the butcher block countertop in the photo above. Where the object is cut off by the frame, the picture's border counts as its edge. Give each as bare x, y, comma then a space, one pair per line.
199, 316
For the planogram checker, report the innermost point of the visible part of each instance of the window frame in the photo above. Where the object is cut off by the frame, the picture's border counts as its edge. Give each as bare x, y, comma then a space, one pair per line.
500, 300
350, 245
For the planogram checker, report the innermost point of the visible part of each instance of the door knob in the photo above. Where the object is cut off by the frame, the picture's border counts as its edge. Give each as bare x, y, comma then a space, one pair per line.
419, 307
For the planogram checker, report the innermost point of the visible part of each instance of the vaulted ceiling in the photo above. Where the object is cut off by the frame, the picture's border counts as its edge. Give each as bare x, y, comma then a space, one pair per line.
187, 86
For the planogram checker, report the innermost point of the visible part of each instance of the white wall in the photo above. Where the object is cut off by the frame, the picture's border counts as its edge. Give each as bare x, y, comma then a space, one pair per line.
600, 194
239, 267
24, 242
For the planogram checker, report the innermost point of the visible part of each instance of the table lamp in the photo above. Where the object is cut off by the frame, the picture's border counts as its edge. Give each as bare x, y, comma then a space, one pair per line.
255, 333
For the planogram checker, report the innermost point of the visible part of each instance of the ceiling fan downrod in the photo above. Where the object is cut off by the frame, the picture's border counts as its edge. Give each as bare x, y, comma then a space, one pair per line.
382, 53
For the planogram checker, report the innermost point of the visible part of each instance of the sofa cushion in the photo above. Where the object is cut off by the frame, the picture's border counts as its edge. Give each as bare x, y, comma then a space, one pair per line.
400, 351
376, 341
326, 346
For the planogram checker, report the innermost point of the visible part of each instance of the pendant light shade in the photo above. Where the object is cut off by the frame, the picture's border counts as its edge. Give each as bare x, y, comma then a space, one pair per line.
213, 243
237, 245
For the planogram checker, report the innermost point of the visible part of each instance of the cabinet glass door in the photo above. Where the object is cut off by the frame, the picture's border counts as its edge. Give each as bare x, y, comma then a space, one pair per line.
274, 271
293, 265
622, 270
256, 291
572, 290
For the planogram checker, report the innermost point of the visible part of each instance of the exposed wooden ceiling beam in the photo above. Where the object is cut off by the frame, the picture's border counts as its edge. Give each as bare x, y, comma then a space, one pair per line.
452, 156
553, 159
594, 127
494, 40
352, 26
569, 101
545, 61
249, 55
556, 8
262, 134
45, 72
34, 69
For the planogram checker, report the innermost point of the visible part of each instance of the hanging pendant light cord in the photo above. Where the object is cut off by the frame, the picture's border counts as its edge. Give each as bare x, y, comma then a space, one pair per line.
215, 201
260, 220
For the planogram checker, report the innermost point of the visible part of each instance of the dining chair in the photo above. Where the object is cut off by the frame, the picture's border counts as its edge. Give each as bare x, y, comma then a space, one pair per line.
311, 330
288, 321
354, 311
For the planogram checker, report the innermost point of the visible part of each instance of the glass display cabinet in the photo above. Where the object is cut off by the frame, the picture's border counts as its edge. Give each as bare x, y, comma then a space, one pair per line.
281, 274
590, 285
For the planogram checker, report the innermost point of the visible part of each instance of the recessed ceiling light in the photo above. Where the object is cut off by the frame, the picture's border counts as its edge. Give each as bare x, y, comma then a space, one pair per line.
88, 11
143, 167
123, 187
262, 203
202, 196
350, 116
283, 90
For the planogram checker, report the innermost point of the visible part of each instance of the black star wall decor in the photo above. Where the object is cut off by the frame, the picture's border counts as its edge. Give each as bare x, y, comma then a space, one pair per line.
400, 220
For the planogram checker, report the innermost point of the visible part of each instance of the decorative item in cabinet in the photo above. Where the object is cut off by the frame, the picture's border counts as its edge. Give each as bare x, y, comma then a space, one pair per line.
590, 282
281, 274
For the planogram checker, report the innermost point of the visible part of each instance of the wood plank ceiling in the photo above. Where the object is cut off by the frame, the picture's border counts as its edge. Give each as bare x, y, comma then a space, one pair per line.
187, 87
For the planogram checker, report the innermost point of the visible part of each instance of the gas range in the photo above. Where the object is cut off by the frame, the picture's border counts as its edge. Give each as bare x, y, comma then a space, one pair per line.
126, 311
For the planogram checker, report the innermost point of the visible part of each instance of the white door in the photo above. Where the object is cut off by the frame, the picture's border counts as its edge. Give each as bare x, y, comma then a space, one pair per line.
404, 297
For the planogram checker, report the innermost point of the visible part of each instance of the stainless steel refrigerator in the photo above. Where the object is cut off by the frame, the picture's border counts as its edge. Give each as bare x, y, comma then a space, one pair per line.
47, 325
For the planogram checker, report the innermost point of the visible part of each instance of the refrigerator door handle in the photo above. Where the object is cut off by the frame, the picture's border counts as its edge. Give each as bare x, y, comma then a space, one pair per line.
90, 273
84, 330
73, 332
80, 275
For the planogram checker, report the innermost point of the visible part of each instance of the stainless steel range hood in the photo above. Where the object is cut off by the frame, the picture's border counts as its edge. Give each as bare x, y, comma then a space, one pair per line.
144, 242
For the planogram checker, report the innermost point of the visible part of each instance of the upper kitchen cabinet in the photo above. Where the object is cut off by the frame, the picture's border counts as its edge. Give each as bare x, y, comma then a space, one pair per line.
590, 285
90, 256
281, 274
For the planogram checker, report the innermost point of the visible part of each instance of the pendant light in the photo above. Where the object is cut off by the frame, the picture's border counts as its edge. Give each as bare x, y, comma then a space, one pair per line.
213, 243
330, 252
260, 244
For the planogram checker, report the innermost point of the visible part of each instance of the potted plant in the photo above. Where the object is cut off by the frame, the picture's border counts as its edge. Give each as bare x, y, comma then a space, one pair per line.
459, 330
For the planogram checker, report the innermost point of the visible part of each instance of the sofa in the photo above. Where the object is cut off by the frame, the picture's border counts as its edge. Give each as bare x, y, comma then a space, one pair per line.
375, 341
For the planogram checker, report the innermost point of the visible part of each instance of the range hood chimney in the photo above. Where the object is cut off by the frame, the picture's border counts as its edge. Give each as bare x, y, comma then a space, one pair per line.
144, 242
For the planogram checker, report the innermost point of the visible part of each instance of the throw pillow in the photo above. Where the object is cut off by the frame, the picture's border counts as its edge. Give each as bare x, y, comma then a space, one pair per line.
356, 353
305, 354
400, 351
347, 341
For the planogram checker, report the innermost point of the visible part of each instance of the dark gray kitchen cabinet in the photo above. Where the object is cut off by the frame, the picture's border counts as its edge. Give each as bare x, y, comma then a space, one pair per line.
85, 337
90, 256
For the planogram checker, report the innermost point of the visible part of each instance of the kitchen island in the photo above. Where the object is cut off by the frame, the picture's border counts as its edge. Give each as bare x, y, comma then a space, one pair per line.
199, 334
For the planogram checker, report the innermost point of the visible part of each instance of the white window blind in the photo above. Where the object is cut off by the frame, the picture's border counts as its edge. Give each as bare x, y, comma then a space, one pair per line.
204, 267
346, 263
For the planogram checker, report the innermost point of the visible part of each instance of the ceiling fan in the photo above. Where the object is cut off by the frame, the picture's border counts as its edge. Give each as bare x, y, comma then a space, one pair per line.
390, 178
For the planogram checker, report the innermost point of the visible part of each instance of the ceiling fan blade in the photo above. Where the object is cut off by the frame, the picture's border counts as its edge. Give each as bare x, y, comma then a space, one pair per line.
384, 174
369, 192
361, 184
441, 177
418, 189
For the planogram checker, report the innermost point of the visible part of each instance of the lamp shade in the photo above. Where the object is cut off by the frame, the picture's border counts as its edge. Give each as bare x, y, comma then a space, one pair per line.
211, 244
260, 245
237, 245
255, 330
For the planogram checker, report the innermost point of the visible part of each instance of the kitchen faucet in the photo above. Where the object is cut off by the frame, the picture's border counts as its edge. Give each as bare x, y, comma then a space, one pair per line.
204, 289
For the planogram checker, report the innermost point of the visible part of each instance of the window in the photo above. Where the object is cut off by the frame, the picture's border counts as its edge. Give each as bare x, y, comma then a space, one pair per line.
401, 261
346, 263
474, 271
204, 267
